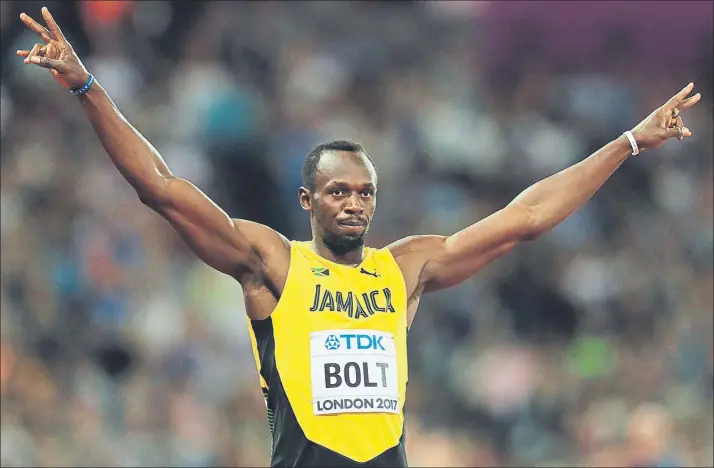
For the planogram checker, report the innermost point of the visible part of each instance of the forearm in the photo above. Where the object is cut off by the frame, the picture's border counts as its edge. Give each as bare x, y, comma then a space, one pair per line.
137, 160
555, 198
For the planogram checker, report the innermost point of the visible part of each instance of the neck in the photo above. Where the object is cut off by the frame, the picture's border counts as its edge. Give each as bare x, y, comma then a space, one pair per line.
353, 257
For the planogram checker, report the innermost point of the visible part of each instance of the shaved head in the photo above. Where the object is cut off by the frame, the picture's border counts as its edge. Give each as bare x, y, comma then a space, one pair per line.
313, 158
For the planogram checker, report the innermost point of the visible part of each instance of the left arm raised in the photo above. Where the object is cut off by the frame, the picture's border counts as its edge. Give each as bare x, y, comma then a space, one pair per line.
450, 260
446, 261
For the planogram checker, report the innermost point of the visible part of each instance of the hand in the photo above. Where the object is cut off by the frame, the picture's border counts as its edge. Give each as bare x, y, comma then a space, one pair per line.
56, 54
665, 122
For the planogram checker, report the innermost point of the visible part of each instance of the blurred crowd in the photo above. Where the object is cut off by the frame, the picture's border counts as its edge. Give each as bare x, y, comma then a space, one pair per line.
590, 346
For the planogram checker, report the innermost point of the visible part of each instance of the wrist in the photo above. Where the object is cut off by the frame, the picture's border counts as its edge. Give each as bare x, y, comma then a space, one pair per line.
94, 95
85, 85
85, 77
631, 143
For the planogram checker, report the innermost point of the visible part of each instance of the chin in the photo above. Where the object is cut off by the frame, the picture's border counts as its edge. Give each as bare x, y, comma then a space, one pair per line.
342, 243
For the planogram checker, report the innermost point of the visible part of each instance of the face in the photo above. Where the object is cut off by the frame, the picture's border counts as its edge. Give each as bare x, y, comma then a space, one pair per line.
343, 202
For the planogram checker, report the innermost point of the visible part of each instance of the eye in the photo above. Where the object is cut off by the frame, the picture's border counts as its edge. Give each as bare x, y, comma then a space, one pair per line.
337, 192
367, 193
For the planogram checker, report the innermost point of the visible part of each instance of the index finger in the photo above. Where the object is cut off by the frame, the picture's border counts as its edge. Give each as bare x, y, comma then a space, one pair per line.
677, 98
52, 25
37, 27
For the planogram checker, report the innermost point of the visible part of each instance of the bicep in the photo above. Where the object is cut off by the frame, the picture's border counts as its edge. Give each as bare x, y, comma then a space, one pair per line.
456, 258
207, 230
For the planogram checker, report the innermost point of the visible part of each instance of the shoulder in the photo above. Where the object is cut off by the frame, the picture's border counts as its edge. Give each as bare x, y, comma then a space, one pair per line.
415, 246
411, 255
261, 234
269, 245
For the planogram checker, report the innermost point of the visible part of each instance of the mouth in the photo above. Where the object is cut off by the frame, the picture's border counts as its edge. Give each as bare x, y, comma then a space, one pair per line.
352, 225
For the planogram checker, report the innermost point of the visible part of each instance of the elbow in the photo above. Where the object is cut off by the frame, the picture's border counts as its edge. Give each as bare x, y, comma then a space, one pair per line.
155, 195
534, 230
147, 199
530, 227
530, 232
530, 236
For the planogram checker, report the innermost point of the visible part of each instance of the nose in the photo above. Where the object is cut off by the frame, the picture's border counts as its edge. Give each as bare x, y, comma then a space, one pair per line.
354, 205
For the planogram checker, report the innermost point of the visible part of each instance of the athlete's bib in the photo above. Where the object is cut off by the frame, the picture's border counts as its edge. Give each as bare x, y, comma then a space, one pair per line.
354, 371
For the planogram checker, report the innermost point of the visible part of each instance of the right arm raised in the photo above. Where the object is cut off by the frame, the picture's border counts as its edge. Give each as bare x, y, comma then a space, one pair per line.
210, 233
231, 246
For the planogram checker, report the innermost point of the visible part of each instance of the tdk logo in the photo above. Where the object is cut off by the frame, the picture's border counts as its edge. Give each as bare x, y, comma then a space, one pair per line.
355, 341
332, 343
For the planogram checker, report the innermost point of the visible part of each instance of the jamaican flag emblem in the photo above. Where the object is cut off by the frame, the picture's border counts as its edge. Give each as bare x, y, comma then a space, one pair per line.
320, 271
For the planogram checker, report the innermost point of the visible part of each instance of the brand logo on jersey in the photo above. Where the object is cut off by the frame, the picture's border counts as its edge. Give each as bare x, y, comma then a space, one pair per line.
370, 273
354, 341
354, 305
320, 271
332, 343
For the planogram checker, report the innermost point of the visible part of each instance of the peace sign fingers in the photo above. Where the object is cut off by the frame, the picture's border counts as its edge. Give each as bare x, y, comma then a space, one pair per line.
52, 25
47, 34
676, 100
37, 27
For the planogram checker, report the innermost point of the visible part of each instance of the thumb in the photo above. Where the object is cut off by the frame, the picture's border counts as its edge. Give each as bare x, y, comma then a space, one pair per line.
46, 62
678, 132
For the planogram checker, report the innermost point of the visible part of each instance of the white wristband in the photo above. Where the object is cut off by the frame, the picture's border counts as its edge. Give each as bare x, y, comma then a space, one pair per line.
633, 143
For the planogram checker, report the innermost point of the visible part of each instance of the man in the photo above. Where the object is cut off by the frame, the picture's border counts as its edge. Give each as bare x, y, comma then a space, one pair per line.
329, 317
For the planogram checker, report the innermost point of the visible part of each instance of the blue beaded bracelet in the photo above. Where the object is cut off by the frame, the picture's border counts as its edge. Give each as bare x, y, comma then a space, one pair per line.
85, 88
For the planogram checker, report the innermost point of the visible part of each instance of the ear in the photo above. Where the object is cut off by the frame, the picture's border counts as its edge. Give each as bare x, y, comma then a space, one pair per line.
305, 198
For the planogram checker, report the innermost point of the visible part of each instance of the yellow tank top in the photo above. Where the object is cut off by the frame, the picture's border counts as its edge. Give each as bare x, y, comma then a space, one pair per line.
332, 357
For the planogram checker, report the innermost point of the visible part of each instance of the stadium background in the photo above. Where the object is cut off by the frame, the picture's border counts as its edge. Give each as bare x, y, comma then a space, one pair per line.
592, 345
